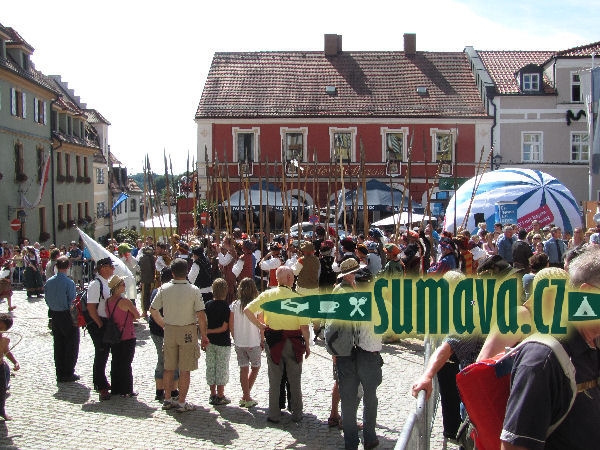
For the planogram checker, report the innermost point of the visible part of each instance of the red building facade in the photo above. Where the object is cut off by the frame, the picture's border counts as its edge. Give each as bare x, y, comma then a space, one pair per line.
297, 119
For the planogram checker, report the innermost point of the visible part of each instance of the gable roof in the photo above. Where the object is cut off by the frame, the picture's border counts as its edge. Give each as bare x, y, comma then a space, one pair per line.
581, 51
368, 84
504, 65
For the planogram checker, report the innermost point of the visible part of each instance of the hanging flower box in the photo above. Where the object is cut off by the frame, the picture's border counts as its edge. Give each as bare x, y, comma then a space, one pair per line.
61, 178
20, 178
79, 180
70, 179
62, 225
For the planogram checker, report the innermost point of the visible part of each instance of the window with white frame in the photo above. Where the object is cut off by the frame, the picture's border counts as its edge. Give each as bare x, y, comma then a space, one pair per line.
575, 87
342, 144
580, 148
133, 205
531, 147
245, 144
443, 143
394, 149
294, 149
531, 82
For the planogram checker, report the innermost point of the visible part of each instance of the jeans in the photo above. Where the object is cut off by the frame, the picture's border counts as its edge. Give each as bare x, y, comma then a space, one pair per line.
160, 358
364, 368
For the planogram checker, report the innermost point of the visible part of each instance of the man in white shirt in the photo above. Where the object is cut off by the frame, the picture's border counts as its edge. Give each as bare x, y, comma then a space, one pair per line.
97, 294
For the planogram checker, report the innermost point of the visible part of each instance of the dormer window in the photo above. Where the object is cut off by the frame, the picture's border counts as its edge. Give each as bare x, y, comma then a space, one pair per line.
531, 82
530, 79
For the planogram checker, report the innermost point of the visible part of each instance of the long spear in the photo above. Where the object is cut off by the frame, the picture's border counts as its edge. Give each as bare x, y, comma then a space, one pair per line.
284, 198
328, 202
364, 187
481, 167
222, 194
177, 212
226, 167
268, 212
343, 193
427, 206
168, 186
151, 196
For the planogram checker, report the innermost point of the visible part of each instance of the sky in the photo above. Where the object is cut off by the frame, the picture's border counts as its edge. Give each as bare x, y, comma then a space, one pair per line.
142, 64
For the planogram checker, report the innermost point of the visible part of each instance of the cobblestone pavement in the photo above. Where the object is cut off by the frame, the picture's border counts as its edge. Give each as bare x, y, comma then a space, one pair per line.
69, 415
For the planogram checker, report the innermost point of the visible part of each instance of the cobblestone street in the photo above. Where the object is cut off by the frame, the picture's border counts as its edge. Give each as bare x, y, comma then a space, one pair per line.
69, 415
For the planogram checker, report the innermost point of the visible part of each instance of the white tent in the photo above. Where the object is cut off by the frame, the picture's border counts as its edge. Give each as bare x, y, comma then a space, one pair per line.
401, 218
160, 220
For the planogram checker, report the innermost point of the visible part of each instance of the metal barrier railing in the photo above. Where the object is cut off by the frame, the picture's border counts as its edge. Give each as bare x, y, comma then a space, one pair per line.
416, 432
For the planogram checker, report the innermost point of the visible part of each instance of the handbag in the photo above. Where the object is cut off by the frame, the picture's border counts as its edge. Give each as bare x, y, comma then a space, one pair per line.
112, 333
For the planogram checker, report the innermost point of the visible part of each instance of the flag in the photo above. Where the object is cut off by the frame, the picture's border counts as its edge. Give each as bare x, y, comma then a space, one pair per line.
42, 186
98, 252
120, 200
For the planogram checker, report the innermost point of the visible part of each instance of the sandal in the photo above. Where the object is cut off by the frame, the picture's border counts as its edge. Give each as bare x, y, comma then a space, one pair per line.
333, 422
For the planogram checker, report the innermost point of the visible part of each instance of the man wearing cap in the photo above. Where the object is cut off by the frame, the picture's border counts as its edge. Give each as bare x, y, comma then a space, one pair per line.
447, 258
97, 293
76, 259
183, 314
307, 270
362, 367
59, 293
555, 248
271, 262
288, 339
541, 391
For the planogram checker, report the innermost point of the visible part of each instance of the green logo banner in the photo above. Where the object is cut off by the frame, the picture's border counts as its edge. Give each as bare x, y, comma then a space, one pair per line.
355, 306
584, 306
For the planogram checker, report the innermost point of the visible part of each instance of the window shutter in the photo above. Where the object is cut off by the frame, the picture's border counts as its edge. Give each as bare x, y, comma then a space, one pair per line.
44, 112
24, 105
13, 101
36, 114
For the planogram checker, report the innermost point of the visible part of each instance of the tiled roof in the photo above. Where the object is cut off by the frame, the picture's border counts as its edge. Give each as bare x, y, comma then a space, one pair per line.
132, 185
71, 139
584, 50
99, 157
16, 39
64, 102
94, 116
369, 84
504, 65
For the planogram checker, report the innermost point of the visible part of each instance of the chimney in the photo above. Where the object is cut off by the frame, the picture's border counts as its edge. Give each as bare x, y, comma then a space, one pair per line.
410, 44
333, 44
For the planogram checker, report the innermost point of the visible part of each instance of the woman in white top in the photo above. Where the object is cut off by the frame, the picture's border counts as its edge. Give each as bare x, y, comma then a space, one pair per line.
248, 339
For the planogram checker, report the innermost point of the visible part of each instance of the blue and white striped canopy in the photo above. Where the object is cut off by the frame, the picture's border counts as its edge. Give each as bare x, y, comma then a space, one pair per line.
537, 196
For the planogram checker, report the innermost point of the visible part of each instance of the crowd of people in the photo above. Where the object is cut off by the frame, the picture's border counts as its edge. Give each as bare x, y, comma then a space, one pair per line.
205, 293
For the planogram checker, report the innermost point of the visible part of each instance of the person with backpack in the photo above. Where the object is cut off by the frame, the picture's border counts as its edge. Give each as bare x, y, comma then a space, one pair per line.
60, 293
358, 362
546, 409
200, 274
97, 293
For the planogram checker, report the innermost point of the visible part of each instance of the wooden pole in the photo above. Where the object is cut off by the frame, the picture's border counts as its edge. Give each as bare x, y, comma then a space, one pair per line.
364, 187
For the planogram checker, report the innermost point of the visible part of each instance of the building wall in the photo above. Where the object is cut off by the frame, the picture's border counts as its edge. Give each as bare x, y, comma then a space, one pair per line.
31, 135
314, 184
